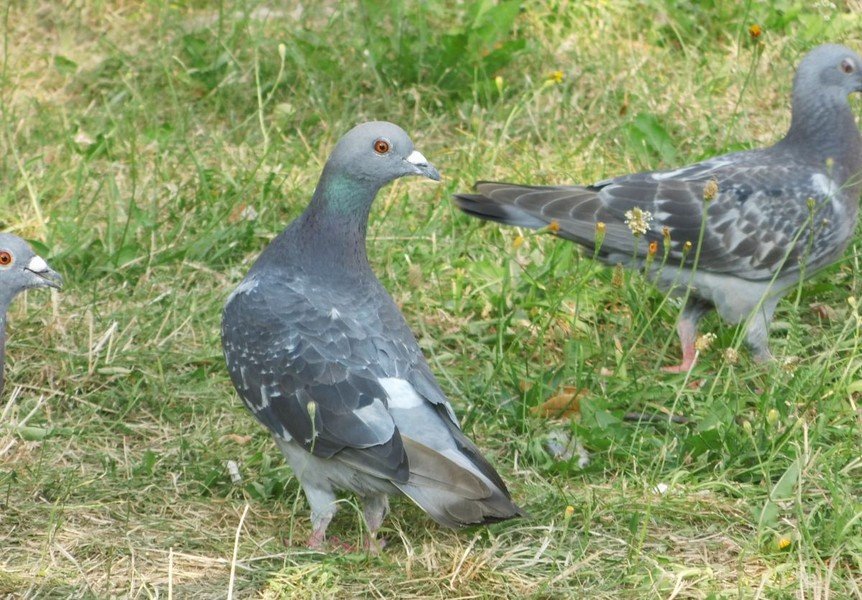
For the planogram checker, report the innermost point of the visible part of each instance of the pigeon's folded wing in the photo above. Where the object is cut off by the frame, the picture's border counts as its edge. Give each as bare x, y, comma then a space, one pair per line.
307, 374
761, 219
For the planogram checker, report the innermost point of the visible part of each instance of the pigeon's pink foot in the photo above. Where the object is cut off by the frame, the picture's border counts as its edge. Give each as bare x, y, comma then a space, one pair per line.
373, 545
336, 543
317, 541
682, 367
320, 543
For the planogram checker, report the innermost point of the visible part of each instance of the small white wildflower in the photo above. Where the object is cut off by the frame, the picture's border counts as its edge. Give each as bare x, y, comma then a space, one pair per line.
173, 189
638, 220
710, 190
704, 341
272, 170
661, 488
731, 356
83, 139
248, 214
789, 364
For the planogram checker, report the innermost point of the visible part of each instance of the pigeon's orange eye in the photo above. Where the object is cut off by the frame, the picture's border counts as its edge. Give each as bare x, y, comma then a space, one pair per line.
5, 258
381, 146
847, 66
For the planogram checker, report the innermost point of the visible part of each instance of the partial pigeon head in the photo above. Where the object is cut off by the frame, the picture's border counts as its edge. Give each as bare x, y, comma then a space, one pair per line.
376, 153
21, 269
829, 69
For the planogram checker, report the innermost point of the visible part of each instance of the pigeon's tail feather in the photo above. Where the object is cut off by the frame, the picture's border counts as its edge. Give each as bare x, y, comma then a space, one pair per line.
452, 490
489, 209
572, 208
572, 212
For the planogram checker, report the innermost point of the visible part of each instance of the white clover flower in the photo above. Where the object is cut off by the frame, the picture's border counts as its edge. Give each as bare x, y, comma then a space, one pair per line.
704, 341
731, 355
638, 220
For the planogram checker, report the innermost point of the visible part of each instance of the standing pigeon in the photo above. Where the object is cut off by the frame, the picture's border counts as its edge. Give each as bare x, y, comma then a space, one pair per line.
764, 218
322, 356
20, 269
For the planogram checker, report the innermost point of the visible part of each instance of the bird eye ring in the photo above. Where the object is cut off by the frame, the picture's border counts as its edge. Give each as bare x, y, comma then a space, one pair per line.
5, 258
381, 146
847, 66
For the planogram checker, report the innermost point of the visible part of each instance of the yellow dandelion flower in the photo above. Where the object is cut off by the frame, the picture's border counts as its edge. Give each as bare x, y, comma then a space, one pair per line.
783, 542
556, 77
600, 233
554, 226
570, 510
754, 31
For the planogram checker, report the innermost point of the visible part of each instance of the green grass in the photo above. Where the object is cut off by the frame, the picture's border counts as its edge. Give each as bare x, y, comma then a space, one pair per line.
136, 137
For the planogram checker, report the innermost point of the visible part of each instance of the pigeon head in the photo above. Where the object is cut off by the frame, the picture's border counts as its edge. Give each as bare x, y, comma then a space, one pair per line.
376, 153
21, 268
830, 69
822, 125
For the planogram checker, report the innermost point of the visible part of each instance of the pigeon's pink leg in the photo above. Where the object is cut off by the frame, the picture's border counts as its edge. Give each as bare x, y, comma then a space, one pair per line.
375, 509
323, 508
687, 330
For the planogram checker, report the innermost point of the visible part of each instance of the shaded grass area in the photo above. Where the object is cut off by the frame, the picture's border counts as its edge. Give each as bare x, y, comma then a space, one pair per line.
151, 150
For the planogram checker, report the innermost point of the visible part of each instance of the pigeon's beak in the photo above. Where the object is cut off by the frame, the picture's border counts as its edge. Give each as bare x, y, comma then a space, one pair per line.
47, 276
421, 166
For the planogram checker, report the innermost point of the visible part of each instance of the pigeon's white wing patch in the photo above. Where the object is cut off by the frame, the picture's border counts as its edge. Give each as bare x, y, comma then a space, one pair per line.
401, 393
824, 185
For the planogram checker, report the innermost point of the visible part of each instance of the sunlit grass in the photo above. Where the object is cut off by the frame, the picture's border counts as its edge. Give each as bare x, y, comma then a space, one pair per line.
153, 149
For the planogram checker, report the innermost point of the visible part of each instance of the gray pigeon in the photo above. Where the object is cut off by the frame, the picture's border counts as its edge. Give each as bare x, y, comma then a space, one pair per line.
322, 356
20, 269
772, 215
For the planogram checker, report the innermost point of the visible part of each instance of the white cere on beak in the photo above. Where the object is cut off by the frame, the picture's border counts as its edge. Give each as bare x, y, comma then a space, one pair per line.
416, 158
37, 264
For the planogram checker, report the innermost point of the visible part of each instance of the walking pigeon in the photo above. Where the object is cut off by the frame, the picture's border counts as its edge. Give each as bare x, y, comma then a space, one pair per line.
322, 356
20, 269
763, 218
